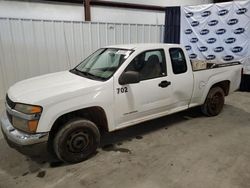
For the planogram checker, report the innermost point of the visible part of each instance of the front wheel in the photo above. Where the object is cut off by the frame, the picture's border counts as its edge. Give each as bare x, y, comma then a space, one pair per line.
76, 141
214, 102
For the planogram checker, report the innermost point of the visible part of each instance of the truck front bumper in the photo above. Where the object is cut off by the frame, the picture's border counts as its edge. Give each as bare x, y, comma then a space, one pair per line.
28, 144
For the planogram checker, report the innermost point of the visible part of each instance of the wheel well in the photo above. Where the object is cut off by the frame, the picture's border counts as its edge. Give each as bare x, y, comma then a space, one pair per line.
95, 114
225, 85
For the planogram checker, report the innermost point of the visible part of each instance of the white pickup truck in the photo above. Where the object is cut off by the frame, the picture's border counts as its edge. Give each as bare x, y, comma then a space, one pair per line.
115, 87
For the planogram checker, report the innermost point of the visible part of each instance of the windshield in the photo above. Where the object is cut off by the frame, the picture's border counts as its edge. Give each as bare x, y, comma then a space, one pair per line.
102, 64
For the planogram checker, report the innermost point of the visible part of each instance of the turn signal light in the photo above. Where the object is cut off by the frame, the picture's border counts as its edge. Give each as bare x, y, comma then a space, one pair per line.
32, 125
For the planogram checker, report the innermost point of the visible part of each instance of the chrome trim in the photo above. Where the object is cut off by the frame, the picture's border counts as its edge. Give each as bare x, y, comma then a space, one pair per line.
19, 137
21, 115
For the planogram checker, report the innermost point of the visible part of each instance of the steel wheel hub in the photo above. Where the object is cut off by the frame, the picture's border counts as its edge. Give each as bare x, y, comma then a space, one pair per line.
77, 142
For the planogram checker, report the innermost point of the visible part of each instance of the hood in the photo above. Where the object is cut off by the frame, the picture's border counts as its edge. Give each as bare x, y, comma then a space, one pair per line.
48, 87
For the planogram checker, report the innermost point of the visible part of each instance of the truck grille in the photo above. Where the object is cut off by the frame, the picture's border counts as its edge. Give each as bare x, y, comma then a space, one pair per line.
11, 104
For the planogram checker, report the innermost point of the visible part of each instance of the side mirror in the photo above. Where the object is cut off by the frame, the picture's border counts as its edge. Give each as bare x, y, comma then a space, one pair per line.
129, 77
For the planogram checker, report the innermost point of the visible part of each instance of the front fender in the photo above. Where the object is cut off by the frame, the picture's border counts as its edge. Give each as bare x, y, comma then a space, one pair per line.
51, 113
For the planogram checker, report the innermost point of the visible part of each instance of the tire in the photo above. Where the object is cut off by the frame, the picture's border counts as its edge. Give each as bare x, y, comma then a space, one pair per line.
214, 102
76, 141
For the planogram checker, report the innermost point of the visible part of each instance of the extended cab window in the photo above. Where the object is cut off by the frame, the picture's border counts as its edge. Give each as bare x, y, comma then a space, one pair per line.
178, 60
150, 64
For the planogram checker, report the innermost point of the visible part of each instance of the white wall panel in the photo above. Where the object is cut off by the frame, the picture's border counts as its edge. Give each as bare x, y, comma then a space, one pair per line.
33, 47
64, 11
39, 10
136, 16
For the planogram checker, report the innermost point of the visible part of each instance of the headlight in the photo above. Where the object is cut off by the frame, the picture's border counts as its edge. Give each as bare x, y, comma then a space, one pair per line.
28, 109
27, 124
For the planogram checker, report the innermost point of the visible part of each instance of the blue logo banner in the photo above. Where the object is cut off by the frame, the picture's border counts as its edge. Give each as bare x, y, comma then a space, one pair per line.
217, 32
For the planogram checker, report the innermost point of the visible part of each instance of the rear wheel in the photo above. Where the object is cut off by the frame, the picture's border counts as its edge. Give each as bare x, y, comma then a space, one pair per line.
214, 102
76, 141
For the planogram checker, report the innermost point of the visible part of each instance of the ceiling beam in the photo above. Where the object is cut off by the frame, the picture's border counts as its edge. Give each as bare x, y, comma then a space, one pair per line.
87, 10
126, 5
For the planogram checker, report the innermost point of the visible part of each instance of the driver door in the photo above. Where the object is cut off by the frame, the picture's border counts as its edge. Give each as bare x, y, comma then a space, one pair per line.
150, 97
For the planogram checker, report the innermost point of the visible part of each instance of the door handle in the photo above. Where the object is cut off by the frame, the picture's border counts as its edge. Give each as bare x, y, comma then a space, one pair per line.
164, 84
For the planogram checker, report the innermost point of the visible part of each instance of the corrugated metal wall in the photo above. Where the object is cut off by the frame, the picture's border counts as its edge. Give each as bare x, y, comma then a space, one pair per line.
34, 47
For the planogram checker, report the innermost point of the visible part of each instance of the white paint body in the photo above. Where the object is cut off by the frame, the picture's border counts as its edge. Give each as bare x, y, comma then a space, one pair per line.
64, 92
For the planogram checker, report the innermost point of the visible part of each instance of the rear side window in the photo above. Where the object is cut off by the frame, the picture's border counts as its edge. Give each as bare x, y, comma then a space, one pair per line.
178, 60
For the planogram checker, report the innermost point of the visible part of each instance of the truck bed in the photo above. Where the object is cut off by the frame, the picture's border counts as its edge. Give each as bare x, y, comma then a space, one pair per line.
207, 73
198, 65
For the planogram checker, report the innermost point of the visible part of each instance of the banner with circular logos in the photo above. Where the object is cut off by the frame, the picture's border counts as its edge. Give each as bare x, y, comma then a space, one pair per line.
217, 32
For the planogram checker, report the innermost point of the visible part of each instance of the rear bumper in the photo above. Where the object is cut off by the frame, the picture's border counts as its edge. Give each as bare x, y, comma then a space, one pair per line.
28, 144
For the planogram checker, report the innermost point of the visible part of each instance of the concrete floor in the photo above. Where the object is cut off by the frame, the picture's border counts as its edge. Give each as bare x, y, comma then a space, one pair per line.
181, 150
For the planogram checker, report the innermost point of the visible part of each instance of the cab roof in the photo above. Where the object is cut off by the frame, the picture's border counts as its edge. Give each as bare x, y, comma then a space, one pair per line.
143, 45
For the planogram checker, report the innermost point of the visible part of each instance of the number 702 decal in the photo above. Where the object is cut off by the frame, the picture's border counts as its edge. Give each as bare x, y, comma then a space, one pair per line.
122, 90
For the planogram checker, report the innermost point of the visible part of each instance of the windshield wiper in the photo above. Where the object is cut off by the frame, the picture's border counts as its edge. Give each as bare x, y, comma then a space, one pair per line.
88, 74
76, 71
